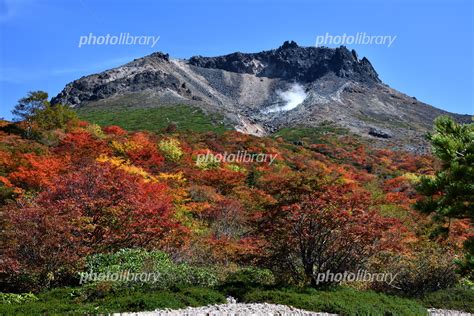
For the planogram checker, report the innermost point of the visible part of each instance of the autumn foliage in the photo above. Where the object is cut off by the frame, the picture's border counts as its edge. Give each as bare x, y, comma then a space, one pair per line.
93, 190
335, 228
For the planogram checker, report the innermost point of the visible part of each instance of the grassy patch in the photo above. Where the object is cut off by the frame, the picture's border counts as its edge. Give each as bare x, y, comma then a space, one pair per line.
460, 299
394, 211
339, 301
311, 135
105, 298
154, 119
78, 301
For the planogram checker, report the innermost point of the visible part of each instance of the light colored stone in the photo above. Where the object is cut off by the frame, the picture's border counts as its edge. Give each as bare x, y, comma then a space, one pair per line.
231, 309
445, 312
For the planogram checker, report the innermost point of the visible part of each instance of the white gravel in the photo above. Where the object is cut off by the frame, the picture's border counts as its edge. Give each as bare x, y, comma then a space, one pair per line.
236, 309
231, 310
445, 312
256, 310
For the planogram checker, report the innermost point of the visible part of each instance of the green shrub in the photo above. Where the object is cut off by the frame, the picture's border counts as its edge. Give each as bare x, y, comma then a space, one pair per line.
132, 260
210, 162
171, 149
197, 296
244, 280
465, 265
430, 269
169, 274
96, 131
460, 299
11, 298
6, 193
340, 301
236, 168
262, 277
55, 116
72, 301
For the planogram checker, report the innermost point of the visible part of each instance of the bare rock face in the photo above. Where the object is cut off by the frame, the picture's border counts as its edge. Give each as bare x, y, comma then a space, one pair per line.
294, 63
260, 93
379, 133
141, 74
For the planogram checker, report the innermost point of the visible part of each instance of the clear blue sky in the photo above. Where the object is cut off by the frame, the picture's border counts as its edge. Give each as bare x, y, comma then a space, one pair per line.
432, 57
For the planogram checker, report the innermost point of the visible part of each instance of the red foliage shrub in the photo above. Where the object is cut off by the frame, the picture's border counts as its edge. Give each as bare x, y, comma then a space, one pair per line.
82, 147
146, 155
114, 130
221, 179
91, 209
332, 229
37, 172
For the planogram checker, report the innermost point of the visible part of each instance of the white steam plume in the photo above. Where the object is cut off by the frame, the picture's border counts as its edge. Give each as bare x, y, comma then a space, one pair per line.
292, 98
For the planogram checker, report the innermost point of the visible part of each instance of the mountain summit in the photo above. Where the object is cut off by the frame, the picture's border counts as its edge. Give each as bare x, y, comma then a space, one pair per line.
260, 93
292, 62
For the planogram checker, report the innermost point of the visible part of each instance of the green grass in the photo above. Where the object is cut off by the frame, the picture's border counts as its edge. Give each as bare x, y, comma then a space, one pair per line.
105, 298
311, 135
460, 299
394, 211
385, 122
76, 301
154, 119
340, 301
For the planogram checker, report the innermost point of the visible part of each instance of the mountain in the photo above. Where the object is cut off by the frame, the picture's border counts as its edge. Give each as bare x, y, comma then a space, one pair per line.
261, 93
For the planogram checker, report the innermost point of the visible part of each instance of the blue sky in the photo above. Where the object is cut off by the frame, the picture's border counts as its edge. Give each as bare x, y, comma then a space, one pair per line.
431, 58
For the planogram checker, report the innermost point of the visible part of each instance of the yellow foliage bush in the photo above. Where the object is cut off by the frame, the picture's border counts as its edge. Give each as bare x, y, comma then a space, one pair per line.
123, 147
171, 149
127, 167
95, 130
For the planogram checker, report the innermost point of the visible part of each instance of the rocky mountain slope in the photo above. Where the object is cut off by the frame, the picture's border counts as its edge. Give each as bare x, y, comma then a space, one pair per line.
260, 93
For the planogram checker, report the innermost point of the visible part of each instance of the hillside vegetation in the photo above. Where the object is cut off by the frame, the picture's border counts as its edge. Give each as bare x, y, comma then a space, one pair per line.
79, 197
154, 119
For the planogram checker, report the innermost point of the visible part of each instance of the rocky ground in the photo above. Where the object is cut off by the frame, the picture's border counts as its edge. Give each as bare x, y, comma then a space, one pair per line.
257, 310
232, 308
